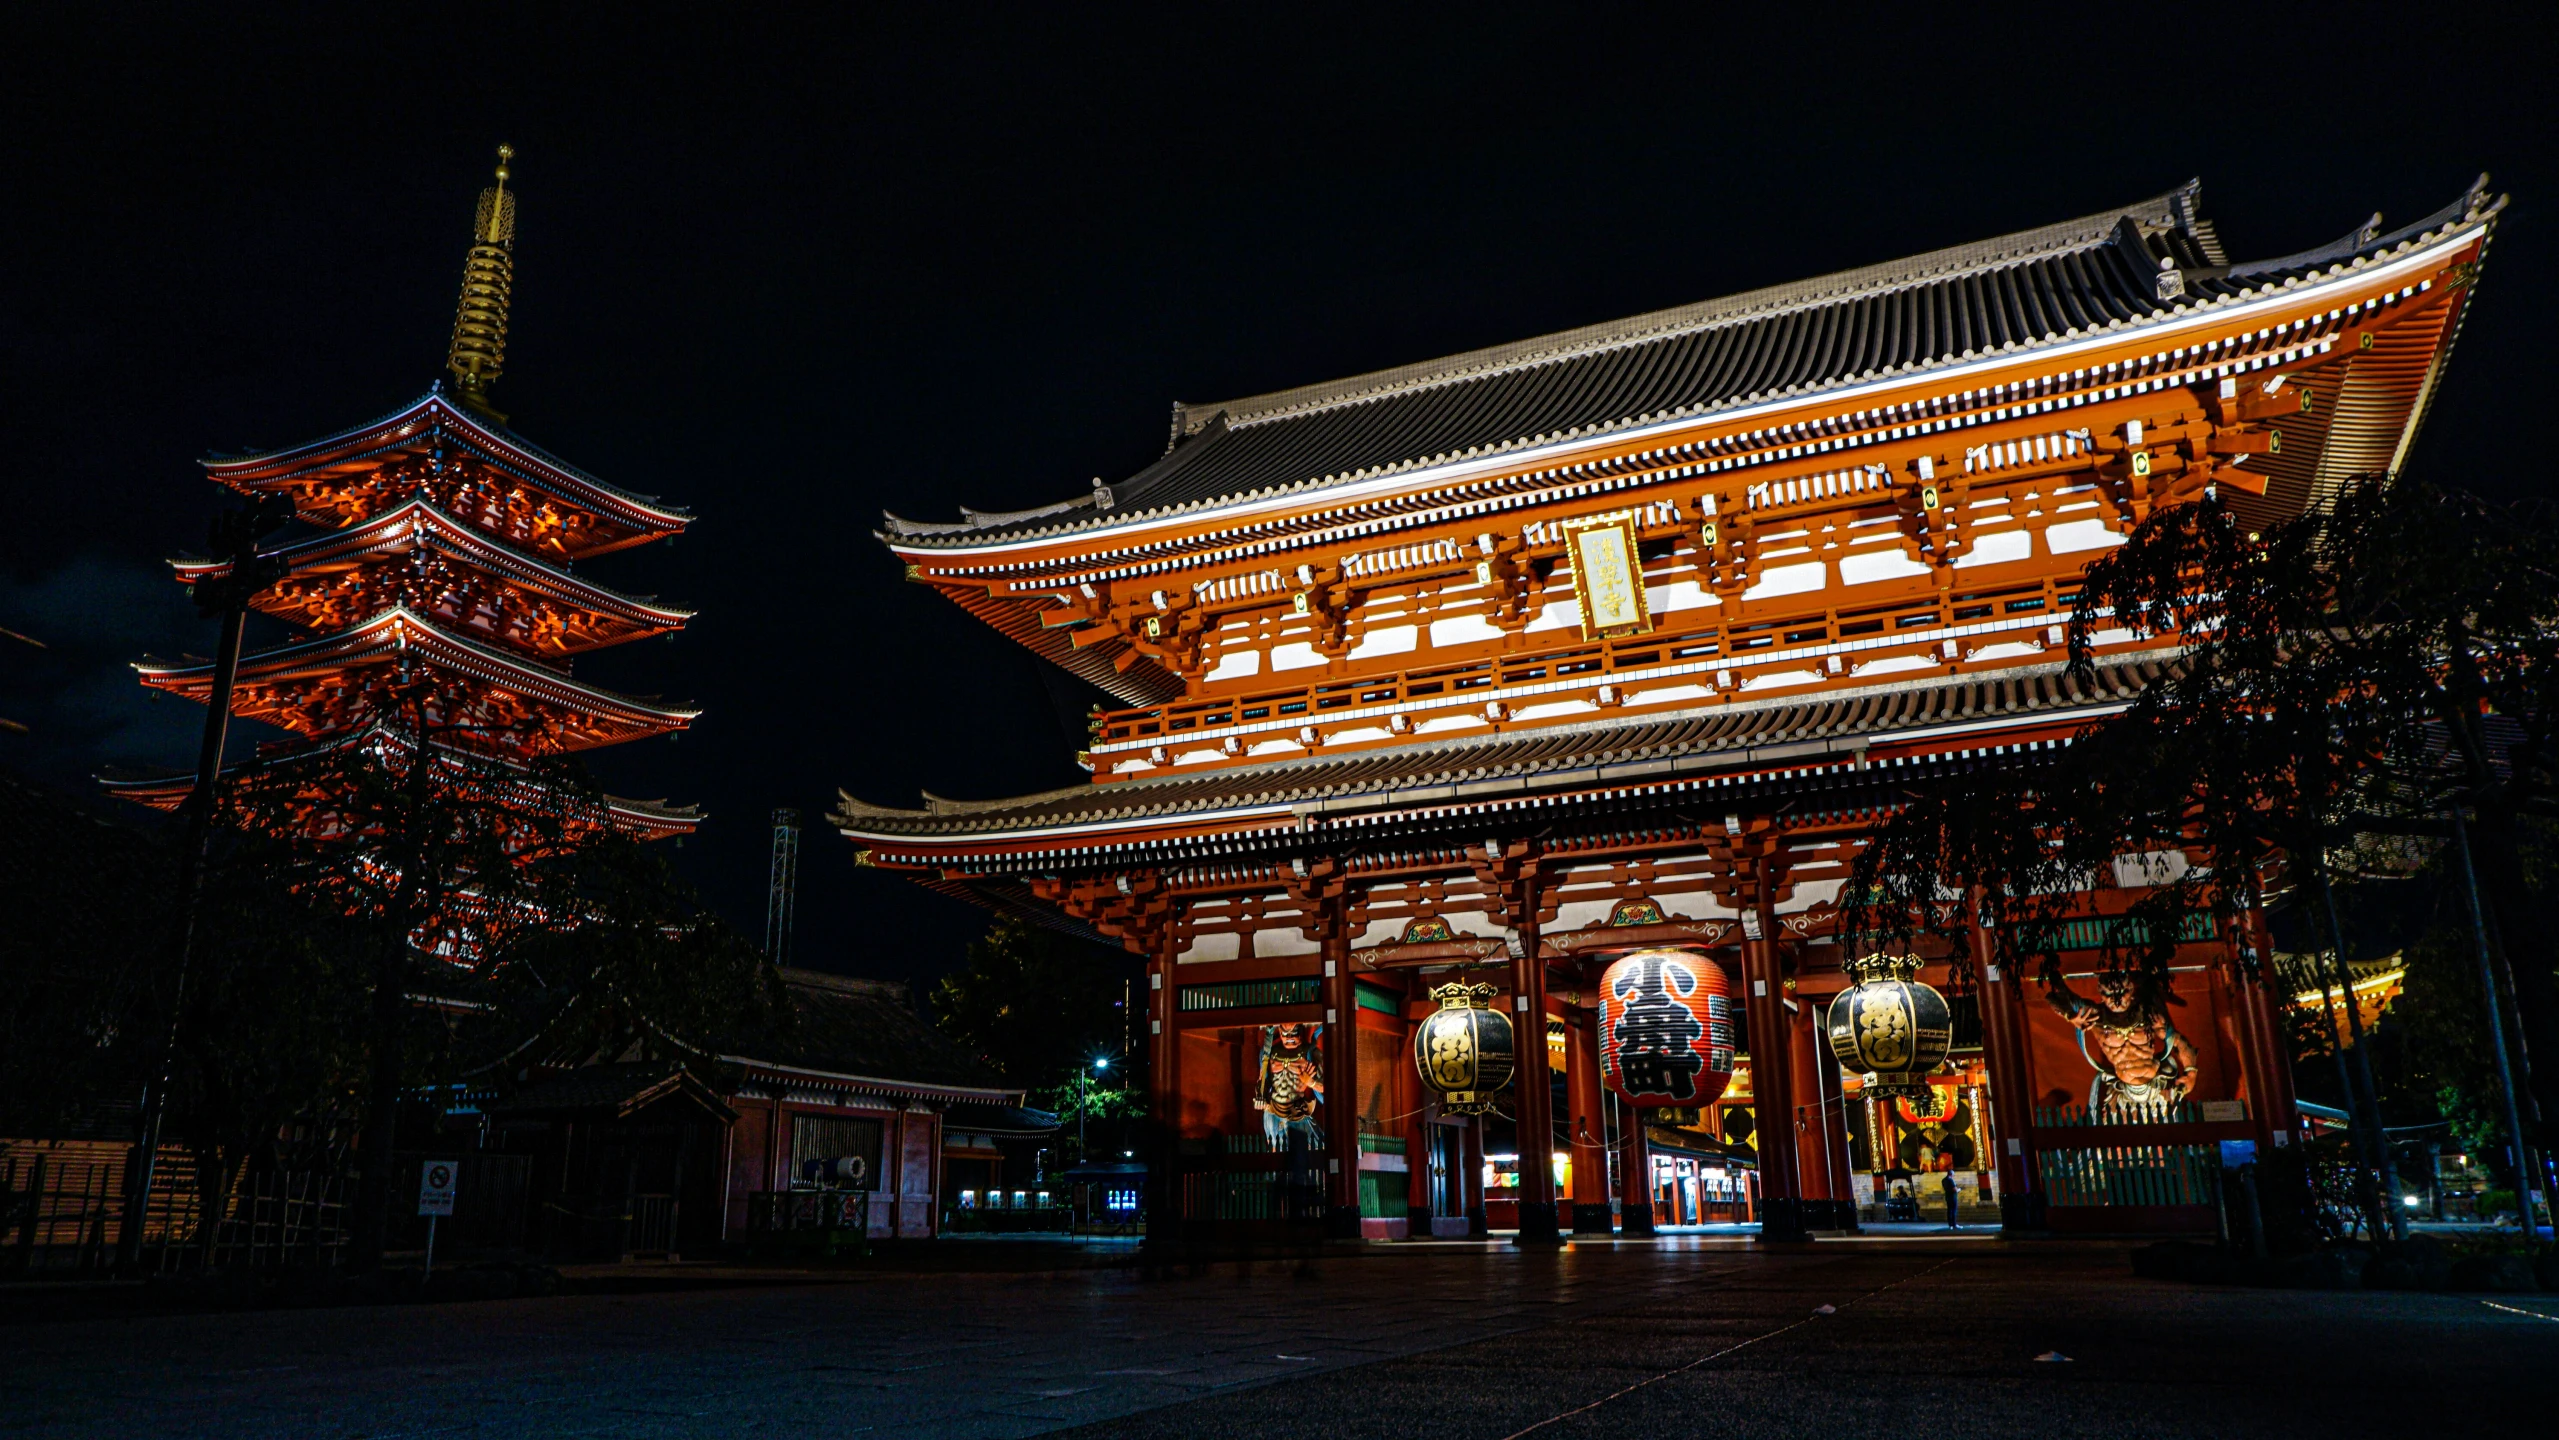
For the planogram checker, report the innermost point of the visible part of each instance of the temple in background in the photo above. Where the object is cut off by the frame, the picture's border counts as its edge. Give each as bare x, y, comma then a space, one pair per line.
1497, 667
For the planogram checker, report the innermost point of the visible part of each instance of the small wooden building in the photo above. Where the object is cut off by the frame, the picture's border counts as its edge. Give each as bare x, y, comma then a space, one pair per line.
856, 1108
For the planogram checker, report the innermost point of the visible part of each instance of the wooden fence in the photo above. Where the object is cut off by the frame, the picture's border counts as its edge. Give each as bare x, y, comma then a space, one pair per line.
62, 1210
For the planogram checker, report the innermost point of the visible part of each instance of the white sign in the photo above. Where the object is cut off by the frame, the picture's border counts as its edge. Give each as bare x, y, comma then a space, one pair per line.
435, 1187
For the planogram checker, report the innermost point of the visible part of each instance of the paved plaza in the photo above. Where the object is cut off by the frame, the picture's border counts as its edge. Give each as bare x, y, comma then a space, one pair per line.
1689, 1337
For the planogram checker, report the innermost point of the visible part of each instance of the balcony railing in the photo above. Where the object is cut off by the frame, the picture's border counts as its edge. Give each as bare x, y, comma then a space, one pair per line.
1731, 645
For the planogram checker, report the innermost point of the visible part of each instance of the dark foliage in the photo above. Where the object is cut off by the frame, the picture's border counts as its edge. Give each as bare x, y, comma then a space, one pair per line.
1035, 1004
2345, 678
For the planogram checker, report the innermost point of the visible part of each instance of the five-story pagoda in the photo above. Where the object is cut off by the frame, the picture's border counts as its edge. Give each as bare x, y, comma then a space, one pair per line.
445, 583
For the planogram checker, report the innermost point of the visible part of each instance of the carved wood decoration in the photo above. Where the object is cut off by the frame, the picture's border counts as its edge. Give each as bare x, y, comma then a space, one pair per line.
1131, 907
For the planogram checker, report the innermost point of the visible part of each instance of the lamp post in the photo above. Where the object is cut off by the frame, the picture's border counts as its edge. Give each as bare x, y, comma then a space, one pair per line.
1083, 1101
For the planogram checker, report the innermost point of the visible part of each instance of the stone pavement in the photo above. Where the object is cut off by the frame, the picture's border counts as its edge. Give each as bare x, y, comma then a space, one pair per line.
1420, 1341
942, 1355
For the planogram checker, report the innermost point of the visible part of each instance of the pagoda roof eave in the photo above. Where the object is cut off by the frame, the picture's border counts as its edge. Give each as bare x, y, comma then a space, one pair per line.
398, 629
1287, 796
167, 789
383, 532
1206, 477
401, 428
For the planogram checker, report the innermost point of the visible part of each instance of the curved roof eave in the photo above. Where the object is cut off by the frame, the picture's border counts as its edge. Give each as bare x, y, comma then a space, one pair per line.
933, 539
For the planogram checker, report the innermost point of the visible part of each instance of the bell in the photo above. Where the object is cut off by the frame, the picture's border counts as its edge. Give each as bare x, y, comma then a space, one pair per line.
1891, 1028
1465, 1049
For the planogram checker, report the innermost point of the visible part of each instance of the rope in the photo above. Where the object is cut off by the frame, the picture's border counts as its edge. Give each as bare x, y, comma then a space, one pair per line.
1727, 1350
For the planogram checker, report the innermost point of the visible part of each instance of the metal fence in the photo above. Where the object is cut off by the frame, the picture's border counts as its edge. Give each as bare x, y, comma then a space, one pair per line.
773, 1211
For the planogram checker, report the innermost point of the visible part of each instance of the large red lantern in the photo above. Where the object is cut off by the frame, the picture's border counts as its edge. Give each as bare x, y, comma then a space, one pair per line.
1666, 1029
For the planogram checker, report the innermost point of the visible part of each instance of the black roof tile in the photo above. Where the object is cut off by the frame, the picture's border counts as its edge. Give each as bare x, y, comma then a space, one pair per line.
2034, 287
1535, 760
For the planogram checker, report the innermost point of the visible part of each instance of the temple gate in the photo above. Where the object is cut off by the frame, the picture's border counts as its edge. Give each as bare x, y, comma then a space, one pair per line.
1498, 667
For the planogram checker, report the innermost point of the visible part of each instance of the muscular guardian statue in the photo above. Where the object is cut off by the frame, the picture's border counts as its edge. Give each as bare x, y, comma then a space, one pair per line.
2141, 1060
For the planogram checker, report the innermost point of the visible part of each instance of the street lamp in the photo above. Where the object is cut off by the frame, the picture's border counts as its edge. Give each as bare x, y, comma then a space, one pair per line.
1083, 1098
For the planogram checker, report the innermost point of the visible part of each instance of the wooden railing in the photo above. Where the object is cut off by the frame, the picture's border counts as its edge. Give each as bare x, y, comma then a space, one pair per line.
1737, 644
2130, 1175
2121, 1112
62, 1207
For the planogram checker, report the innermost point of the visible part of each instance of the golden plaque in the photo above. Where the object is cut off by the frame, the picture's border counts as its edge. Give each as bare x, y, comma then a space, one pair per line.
1608, 575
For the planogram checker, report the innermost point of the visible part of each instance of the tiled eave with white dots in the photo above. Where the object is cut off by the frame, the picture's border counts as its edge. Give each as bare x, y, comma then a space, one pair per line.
2276, 325
1262, 815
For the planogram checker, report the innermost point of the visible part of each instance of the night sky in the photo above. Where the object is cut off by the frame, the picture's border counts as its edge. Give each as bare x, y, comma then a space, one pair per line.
791, 276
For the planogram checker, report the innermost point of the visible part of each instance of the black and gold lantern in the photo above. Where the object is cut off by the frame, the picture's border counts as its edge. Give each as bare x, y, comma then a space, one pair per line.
1891, 1028
1466, 1049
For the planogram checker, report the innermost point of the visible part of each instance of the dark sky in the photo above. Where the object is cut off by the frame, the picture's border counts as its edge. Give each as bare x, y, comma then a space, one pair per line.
789, 275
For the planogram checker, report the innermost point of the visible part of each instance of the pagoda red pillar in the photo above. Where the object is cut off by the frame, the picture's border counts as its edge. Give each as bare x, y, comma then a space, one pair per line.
1781, 1207
2012, 1096
1588, 1123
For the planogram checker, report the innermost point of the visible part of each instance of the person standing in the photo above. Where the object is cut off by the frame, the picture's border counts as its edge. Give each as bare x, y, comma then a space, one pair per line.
1949, 1182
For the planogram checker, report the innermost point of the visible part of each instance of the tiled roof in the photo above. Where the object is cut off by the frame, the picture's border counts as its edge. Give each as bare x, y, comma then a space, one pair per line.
1730, 736
862, 1029
2117, 269
618, 1089
402, 428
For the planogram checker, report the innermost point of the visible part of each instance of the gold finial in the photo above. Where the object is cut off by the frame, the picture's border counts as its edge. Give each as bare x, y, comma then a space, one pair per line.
478, 353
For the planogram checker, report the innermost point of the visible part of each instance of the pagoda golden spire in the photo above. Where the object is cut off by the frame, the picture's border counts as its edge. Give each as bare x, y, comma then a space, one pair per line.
478, 355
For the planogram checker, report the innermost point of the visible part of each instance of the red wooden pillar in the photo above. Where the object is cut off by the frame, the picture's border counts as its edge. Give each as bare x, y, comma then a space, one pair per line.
1164, 1091
2012, 1081
1781, 1206
1163, 1039
2270, 1092
1536, 1107
1821, 1126
1634, 1174
1417, 1171
1588, 1123
1469, 1181
1341, 1071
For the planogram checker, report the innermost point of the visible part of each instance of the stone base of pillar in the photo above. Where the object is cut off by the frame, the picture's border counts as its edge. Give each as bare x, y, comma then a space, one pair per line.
1537, 1225
1840, 1215
2023, 1214
1592, 1220
1417, 1222
1341, 1222
1477, 1228
1781, 1222
1637, 1219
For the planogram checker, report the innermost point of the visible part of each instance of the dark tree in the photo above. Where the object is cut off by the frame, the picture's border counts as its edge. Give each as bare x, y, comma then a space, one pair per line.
2349, 671
1035, 1004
